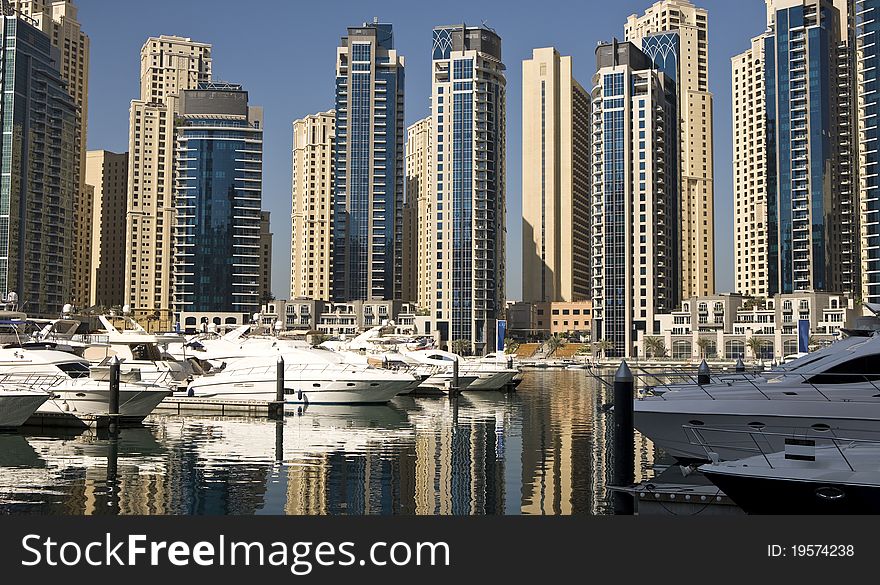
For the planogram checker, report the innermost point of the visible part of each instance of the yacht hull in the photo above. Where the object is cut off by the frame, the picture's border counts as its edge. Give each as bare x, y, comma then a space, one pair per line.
302, 392
779, 495
492, 380
677, 425
134, 405
17, 407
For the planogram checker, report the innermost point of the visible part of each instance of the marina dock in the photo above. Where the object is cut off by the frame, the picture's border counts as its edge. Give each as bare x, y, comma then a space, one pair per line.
220, 406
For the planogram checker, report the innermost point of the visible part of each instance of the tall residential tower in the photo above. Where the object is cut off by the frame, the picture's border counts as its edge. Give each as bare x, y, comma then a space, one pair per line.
468, 138
368, 184
636, 266
556, 181
39, 170
312, 206
674, 35
218, 195
169, 65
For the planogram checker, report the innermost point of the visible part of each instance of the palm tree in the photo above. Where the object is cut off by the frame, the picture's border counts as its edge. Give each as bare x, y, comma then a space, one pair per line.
602, 346
756, 345
553, 343
511, 346
703, 343
655, 347
461, 346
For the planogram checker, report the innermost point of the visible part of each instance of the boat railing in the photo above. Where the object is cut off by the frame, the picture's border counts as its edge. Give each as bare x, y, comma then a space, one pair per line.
799, 444
312, 368
763, 382
41, 381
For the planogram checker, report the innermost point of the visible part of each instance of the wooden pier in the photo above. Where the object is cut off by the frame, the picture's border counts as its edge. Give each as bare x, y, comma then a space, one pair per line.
67, 420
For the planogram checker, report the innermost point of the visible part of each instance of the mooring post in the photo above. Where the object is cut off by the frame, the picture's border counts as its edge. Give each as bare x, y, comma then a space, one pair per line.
454, 389
276, 409
623, 470
740, 366
704, 374
510, 363
113, 407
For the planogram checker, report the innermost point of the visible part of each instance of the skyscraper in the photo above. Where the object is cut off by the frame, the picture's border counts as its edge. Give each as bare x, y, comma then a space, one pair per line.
422, 255
107, 173
39, 170
636, 270
868, 83
312, 208
368, 184
468, 137
556, 181
218, 194
266, 235
752, 240
169, 65
674, 34
809, 119
58, 20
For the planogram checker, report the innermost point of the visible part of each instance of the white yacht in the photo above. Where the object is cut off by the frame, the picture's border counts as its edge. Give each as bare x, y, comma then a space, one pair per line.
810, 476
310, 376
834, 391
17, 404
73, 386
488, 375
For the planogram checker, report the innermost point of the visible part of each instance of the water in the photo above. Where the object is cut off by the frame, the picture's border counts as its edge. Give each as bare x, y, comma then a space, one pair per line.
540, 450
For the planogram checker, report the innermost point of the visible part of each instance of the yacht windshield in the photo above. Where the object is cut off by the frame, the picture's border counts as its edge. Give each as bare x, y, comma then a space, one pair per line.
75, 369
146, 351
860, 369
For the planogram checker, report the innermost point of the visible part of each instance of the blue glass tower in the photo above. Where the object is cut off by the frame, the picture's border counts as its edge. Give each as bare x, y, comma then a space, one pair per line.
813, 210
368, 197
39, 170
218, 194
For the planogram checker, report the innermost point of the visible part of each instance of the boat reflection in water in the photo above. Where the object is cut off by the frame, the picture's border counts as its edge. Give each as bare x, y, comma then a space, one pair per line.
540, 450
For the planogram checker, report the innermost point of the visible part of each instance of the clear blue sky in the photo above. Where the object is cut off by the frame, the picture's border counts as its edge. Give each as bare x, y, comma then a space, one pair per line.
284, 53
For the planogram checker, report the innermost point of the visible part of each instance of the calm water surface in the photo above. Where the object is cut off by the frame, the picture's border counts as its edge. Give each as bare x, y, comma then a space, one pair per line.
539, 450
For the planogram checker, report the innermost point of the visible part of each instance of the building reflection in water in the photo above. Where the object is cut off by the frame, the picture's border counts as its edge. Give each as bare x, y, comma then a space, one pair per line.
540, 450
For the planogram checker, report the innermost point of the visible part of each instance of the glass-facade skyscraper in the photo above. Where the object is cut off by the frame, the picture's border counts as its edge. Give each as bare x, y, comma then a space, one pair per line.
368, 166
813, 213
468, 138
39, 177
635, 224
218, 195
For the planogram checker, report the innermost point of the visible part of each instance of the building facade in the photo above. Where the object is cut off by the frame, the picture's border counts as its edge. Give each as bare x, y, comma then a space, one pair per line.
752, 240
58, 20
107, 173
218, 195
169, 66
674, 34
421, 233
312, 208
809, 118
555, 180
468, 134
867, 61
733, 326
368, 165
636, 257
266, 235
39, 171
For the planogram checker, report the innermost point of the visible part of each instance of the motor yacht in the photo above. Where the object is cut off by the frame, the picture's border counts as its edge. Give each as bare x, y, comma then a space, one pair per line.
310, 376
73, 386
835, 390
812, 475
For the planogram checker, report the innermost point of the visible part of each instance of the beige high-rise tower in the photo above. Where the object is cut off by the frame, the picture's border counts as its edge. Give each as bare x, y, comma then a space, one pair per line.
312, 211
555, 180
169, 65
674, 33
750, 220
107, 174
58, 20
418, 201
